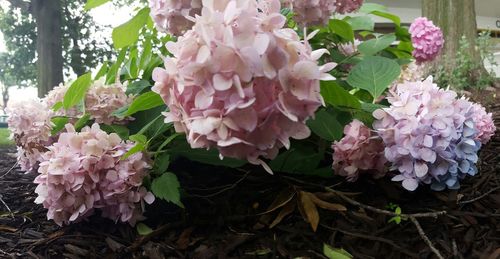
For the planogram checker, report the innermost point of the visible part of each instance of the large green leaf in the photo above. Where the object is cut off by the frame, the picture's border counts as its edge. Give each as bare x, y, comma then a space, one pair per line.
326, 126
128, 33
143, 102
335, 95
211, 157
94, 3
392, 17
365, 23
374, 74
371, 47
167, 187
296, 160
76, 92
342, 28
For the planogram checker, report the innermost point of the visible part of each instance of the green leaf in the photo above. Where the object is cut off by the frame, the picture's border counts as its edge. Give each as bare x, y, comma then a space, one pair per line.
371, 47
398, 210
57, 106
211, 157
80, 123
374, 74
342, 28
167, 141
143, 102
364, 23
102, 71
122, 131
336, 253
371, 107
128, 33
137, 87
59, 123
113, 70
161, 163
335, 95
297, 160
167, 187
94, 3
76, 92
139, 147
326, 126
139, 138
392, 17
371, 7
143, 230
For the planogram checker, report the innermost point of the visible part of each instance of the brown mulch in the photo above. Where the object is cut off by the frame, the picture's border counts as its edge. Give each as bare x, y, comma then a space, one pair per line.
227, 215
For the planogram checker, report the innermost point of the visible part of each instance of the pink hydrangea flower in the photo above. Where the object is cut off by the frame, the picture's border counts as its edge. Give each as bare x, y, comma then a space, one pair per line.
100, 102
427, 39
83, 171
484, 123
350, 48
347, 6
240, 82
313, 12
424, 130
358, 151
30, 126
174, 16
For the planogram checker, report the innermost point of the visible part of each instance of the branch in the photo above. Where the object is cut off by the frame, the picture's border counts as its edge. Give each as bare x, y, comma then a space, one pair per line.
425, 238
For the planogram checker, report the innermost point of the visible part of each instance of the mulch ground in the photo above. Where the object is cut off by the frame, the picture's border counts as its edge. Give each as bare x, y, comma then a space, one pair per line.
228, 215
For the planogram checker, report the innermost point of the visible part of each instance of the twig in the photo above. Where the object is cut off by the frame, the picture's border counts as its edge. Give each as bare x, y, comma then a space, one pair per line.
159, 231
480, 197
12, 168
227, 188
386, 212
374, 238
6, 206
425, 238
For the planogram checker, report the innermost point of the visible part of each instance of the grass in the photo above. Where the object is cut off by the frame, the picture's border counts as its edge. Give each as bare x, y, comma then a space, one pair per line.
4, 138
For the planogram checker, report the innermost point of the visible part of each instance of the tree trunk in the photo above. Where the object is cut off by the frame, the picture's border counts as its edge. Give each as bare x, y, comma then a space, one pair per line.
456, 18
49, 44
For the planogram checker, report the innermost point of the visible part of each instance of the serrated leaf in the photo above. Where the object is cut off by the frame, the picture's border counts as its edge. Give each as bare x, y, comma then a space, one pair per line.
59, 123
335, 253
143, 229
76, 92
94, 3
326, 126
137, 87
373, 46
342, 28
371, 7
143, 102
334, 94
359, 23
374, 74
167, 187
128, 33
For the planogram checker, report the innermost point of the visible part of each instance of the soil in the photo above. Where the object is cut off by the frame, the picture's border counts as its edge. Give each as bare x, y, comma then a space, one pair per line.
228, 215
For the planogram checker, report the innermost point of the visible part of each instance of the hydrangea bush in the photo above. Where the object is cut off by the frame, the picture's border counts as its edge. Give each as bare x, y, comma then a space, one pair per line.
247, 82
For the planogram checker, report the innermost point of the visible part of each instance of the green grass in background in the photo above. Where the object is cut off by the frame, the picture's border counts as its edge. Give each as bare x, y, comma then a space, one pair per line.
4, 138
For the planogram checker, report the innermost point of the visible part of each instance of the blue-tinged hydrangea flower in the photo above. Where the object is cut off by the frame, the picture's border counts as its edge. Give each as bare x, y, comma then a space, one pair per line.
429, 135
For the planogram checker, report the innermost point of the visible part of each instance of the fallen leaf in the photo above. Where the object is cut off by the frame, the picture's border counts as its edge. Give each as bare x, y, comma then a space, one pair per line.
327, 205
183, 241
285, 211
308, 208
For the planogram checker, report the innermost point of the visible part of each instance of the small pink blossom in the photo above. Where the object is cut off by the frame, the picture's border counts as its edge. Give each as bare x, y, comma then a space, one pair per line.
347, 6
240, 82
427, 40
350, 48
313, 12
484, 123
358, 151
84, 171
174, 16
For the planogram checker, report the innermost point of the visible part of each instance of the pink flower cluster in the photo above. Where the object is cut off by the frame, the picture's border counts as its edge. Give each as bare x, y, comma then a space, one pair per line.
484, 123
83, 171
174, 16
427, 40
240, 82
30, 125
313, 12
358, 151
100, 102
347, 6
428, 135
350, 48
